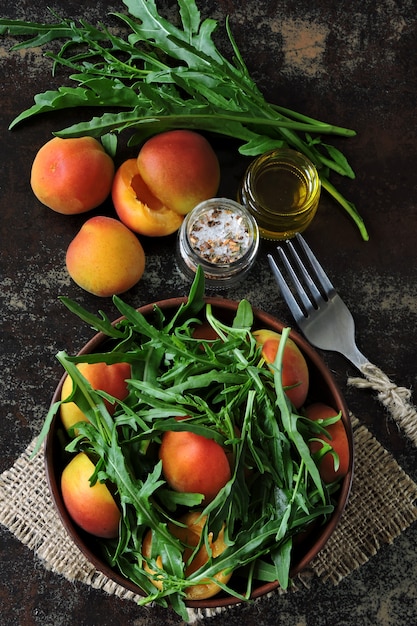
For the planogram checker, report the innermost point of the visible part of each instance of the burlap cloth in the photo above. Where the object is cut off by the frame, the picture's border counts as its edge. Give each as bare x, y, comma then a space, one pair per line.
381, 506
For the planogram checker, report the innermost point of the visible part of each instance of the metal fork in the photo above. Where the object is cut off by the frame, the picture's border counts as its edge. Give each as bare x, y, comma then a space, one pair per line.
315, 304
327, 323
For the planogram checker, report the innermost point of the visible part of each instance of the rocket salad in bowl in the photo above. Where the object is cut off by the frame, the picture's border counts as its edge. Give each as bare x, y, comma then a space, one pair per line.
198, 374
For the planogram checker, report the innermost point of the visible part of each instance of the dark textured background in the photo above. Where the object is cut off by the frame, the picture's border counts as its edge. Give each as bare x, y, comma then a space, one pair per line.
351, 63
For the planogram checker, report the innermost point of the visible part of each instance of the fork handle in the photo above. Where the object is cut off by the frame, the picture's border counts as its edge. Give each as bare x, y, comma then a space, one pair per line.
396, 399
356, 357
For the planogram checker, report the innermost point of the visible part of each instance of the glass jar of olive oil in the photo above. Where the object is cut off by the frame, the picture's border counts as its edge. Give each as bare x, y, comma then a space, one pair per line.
281, 189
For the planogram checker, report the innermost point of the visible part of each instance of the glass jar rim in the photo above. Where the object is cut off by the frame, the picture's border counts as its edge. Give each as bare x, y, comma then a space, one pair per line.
290, 157
235, 265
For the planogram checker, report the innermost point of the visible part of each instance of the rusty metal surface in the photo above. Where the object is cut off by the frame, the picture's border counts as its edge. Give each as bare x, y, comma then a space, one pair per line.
352, 63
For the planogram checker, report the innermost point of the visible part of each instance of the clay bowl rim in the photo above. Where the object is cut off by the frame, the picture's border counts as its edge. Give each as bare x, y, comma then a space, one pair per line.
261, 319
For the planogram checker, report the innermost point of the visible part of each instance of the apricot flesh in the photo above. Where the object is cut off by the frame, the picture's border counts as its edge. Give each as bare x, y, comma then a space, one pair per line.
72, 176
190, 536
137, 207
109, 378
295, 374
105, 257
93, 508
180, 168
192, 463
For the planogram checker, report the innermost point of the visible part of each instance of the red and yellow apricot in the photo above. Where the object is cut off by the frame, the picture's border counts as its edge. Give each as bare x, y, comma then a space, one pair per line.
337, 439
93, 508
105, 257
174, 171
189, 534
192, 463
72, 176
295, 374
110, 378
180, 168
137, 207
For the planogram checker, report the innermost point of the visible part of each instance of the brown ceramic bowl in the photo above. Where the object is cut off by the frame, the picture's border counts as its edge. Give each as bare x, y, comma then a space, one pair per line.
322, 388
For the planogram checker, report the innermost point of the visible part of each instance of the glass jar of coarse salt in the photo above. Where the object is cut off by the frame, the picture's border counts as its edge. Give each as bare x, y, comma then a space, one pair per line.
222, 237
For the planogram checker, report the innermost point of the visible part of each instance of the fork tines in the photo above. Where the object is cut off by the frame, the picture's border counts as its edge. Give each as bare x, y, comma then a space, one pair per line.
301, 279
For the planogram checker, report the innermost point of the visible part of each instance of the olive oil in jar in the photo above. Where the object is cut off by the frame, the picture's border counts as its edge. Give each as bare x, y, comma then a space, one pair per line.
281, 189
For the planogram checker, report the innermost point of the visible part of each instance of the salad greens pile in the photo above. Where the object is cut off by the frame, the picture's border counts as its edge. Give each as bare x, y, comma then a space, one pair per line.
228, 394
162, 76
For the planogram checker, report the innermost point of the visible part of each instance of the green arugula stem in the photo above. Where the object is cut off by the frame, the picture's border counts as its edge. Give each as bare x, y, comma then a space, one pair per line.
274, 489
165, 77
348, 206
208, 120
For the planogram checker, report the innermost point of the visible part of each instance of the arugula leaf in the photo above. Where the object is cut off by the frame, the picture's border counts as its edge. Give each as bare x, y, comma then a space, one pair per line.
227, 394
103, 325
161, 76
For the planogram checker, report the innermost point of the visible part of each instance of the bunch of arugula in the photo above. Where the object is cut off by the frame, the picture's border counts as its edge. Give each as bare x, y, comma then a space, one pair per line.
228, 394
162, 77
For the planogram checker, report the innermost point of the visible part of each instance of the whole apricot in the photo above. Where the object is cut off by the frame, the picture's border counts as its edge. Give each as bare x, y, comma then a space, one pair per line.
105, 257
137, 207
295, 374
72, 175
109, 378
337, 438
192, 463
180, 168
189, 533
93, 508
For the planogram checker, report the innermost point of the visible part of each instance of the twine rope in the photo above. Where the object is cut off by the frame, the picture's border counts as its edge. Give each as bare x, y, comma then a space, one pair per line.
397, 400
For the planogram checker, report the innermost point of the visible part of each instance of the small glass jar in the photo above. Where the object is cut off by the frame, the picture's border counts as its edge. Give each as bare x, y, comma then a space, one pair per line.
281, 189
222, 237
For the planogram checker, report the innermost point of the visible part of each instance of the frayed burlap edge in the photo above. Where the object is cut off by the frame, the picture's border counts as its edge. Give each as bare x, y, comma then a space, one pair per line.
381, 506
27, 510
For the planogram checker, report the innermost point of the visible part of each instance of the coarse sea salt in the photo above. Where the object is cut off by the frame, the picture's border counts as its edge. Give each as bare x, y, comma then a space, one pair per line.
220, 235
